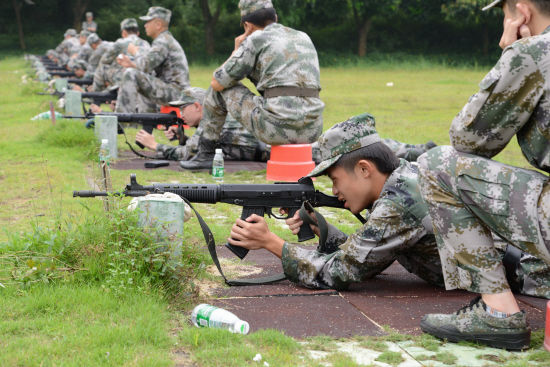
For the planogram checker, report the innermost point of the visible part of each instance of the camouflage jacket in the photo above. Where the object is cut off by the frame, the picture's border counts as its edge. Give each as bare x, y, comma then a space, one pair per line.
121, 47
68, 47
86, 26
233, 134
514, 98
85, 52
277, 56
167, 60
96, 55
398, 228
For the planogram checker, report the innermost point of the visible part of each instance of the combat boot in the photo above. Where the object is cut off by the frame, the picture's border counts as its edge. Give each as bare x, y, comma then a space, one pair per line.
203, 158
473, 323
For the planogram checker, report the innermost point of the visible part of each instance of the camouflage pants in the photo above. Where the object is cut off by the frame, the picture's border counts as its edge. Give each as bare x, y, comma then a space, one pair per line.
468, 197
249, 110
135, 83
107, 75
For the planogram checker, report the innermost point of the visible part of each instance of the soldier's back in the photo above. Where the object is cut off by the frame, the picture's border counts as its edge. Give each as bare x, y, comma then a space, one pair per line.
174, 68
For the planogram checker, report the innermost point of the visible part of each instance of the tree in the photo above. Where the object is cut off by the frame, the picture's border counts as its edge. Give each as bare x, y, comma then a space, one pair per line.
210, 24
364, 13
17, 5
469, 12
79, 9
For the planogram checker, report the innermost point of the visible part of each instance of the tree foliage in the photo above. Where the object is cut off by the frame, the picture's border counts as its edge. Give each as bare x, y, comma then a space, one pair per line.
342, 28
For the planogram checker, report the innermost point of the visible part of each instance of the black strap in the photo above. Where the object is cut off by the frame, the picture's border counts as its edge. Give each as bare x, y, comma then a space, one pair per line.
209, 238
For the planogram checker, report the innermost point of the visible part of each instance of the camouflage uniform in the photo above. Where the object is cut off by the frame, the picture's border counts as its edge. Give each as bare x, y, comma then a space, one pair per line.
236, 143
397, 228
471, 195
409, 152
276, 56
109, 72
96, 55
166, 60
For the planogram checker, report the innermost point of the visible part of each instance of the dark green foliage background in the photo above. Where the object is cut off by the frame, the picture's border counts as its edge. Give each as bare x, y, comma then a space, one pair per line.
412, 27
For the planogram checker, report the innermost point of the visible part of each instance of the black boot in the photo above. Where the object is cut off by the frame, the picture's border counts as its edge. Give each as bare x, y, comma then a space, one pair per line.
203, 158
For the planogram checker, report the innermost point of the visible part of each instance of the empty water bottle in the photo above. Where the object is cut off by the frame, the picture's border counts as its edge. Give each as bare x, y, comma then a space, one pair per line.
104, 153
214, 317
217, 166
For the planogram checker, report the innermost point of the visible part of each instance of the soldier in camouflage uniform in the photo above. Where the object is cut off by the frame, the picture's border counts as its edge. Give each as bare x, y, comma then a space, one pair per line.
282, 63
165, 59
236, 143
99, 48
470, 195
69, 46
109, 72
89, 25
367, 175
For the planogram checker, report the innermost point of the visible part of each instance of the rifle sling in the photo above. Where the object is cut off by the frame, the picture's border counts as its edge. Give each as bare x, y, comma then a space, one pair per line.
209, 238
320, 221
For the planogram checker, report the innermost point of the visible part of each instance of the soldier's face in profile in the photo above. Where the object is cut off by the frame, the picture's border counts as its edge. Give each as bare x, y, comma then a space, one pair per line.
351, 187
192, 114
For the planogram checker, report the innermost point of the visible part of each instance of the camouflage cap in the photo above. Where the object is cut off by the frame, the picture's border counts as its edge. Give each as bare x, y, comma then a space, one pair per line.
70, 32
493, 4
128, 23
356, 132
190, 95
79, 64
250, 6
89, 14
93, 38
157, 12
84, 33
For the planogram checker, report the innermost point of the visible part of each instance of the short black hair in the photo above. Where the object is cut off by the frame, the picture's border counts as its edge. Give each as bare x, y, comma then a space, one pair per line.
378, 153
261, 17
132, 30
542, 5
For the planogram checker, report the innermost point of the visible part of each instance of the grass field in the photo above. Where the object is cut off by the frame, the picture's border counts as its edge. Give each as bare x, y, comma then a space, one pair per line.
55, 249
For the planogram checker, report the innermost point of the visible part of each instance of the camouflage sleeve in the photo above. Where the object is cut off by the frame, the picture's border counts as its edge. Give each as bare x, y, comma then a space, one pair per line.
505, 101
147, 62
238, 66
172, 152
388, 232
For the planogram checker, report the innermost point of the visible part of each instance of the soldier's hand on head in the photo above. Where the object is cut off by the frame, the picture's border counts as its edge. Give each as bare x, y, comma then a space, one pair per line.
248, 30
514, 29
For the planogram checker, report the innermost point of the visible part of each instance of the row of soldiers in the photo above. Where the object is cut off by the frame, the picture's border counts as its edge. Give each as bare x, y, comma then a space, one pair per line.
460, 221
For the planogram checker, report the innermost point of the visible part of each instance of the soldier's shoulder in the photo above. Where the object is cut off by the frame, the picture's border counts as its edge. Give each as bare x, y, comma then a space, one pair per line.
538, 47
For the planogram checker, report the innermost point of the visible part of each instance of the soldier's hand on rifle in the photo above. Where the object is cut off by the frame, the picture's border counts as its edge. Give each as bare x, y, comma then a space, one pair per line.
254, 234
294, 223
95, 108
171, 132
146, 139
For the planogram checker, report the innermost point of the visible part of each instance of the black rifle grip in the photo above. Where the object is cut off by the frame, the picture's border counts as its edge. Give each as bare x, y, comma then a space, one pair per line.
305, 233
147, 128
239, 251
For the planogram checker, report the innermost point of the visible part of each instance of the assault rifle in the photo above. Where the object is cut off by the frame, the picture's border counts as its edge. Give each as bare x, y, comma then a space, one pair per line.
149, 121
97, 98
255, 199
61, 73
78, 81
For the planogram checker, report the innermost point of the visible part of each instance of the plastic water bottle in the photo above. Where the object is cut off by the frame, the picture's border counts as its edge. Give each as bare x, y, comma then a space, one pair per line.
104, 153
214, 317
217, 166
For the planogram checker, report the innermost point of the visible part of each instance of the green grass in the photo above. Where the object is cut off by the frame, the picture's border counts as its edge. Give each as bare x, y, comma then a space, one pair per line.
80, 288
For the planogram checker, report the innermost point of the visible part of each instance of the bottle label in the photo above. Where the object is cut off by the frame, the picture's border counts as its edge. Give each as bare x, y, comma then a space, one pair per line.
217, 172
203, 315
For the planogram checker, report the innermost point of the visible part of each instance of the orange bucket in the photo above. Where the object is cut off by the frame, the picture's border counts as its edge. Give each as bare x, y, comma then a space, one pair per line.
289, 162
174, 110
547, 328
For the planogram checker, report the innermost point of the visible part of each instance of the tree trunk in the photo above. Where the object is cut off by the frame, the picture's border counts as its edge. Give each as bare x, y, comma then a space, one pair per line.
210, 25
363, 33
79, 9
17, 7
485, 37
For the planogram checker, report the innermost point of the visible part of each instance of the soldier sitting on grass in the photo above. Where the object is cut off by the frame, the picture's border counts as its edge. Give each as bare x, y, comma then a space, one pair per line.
366, 174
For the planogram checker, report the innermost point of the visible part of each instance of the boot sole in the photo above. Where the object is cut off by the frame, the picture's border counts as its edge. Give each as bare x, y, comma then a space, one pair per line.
519, 341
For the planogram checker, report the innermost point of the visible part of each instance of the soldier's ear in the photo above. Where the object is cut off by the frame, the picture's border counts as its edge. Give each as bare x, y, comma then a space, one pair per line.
526, 10
364, 168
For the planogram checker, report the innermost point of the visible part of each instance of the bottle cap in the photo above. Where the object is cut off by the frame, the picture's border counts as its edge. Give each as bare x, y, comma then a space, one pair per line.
105, 141
242, 327
219, 151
